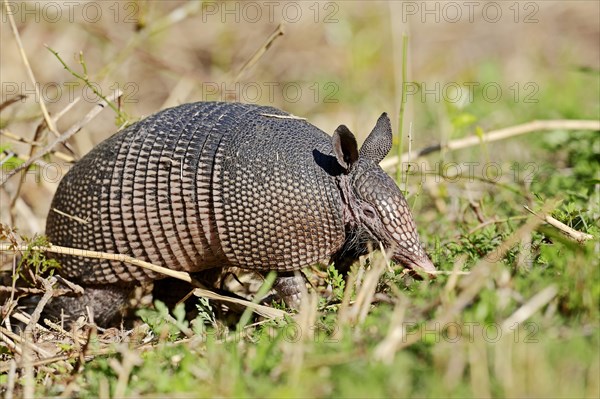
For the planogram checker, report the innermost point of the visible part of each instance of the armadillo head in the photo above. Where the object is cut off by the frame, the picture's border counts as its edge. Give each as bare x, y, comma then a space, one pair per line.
375, 206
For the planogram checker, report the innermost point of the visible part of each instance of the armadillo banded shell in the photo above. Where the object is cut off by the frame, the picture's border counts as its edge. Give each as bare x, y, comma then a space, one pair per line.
199, 186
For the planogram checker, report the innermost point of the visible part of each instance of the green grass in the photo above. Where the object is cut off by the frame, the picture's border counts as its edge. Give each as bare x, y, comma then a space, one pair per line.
552, 352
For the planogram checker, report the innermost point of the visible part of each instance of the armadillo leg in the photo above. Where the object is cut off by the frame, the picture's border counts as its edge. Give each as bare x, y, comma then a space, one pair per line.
104, 302
290, 287
170, 291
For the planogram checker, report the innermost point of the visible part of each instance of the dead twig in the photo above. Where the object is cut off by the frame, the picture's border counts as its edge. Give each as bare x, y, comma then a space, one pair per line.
571, 233
75, 218
260, 52
12, 100
27, 359
492, 221
364, 296
386, 350
10, 384
284, 117
19, 139
8, 155
201, 290
62, 138
533, 305
130, 359
16, 339
34, 291
15, 31
24, 318
35, 316
495, 135
9, 342
101, 255
76, 288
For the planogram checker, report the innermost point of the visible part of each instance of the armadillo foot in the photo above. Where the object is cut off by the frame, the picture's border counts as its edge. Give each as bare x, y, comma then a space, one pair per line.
105, 303
290, 287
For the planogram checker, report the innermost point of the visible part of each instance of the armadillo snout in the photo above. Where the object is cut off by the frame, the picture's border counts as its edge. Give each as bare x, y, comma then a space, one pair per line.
394, 225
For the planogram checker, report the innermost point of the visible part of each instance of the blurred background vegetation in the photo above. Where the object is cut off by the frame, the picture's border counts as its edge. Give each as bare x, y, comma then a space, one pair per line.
471, 67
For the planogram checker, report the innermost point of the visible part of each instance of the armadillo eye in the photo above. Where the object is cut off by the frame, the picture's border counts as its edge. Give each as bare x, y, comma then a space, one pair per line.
369, 211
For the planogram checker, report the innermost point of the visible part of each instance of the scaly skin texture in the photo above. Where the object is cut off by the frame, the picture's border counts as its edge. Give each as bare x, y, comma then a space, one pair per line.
210, 185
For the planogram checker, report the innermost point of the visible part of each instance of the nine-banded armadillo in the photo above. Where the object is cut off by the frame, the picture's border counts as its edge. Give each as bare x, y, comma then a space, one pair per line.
210, 185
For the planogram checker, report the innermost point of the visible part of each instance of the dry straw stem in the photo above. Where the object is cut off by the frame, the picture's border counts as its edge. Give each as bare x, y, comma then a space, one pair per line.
15, 32
8, 340
74, 355
8, 155
479, 374
12, 339
199, 291
130, 359
38, 134
496, 135
299, 118
10, 385
533, 305
262, 310
27, 344
357, 312
571, 233
62, 138
75, 218
11, 101
35, 316
56, 117
295, 351
385, 351
25, 318
260, 52
19, 139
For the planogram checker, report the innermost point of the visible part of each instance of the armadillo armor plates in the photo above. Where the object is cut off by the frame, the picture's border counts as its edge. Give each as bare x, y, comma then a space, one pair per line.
212, 185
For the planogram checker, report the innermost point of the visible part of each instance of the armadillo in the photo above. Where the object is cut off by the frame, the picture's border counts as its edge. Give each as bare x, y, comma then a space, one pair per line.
210, 185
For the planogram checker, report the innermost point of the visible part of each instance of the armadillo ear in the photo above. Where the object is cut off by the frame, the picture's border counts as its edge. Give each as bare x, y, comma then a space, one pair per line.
345, 147
379, 142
